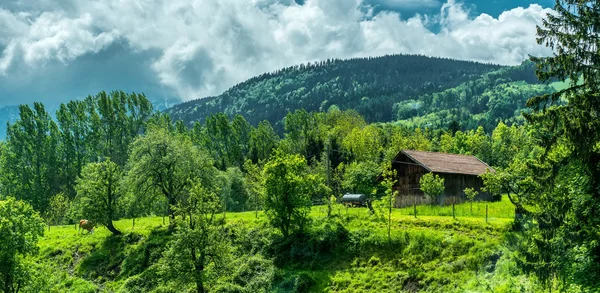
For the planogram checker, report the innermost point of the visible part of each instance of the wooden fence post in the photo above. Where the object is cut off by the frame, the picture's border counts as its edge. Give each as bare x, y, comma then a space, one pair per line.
415, 208
486, 213
453, 213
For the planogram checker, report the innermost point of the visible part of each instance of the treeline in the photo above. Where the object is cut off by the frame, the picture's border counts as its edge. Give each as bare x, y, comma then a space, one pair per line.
110, 156
368, 85
43, 157
43, 160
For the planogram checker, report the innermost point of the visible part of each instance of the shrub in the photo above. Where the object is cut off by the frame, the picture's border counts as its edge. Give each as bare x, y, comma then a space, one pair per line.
303, 282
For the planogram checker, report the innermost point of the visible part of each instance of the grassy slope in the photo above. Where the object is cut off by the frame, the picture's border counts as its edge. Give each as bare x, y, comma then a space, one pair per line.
433, 252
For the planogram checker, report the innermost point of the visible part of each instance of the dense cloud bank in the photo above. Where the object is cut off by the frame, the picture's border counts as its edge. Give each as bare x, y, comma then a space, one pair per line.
61, 49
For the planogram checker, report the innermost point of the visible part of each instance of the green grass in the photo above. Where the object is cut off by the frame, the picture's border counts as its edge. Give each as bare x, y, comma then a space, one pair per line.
347, 253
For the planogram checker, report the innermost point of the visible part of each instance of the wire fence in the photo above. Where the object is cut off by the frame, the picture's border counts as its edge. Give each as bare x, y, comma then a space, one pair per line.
484, 210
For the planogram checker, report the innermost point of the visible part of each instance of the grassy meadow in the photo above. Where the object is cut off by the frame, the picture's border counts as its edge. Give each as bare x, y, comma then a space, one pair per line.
348, 252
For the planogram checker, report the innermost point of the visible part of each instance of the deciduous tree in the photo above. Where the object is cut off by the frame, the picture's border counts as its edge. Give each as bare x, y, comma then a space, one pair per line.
20, 228
99, 193
165, 163
198, 242
288, 191
390, 178
432, 185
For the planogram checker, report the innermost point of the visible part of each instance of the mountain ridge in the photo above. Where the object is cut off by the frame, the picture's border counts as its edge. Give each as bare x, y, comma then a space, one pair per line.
370, 85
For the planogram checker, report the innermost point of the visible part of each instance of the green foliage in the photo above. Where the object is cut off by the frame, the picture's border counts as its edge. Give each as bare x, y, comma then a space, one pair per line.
20, 228
164, 164
432, 185
363, 144
263, 140
561, 245
254, 274
288, 192
234, 193
29, 170
44, 157
496, 96
197, 242
99, 193
361, 177
254, 184
368, 85
58, 210
471, 193
390, 178
227, 141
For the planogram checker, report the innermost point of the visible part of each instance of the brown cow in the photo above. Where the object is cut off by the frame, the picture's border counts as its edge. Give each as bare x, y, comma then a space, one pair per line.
87, 225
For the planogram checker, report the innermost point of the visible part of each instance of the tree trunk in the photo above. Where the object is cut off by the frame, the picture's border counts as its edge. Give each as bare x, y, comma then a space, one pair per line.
370, 207
593, 162
7, 284
390, 224
198, 270
112, 228
171, 213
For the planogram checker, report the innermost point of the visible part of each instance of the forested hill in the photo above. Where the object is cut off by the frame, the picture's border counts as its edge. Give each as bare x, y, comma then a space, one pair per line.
369, 85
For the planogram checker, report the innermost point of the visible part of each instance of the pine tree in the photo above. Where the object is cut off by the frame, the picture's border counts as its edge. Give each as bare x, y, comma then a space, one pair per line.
563, 247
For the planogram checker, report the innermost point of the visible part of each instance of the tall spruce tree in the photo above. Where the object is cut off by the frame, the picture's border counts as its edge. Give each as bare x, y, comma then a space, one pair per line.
563, 249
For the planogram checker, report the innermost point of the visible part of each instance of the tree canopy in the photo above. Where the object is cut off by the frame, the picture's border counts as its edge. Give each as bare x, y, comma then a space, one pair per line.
20, 228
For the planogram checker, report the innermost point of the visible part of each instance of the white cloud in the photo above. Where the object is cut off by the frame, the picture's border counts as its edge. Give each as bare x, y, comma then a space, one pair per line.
202, 47
411, 3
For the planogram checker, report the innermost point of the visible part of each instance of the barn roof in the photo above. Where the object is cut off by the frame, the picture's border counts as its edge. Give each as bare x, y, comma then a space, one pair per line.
448, 163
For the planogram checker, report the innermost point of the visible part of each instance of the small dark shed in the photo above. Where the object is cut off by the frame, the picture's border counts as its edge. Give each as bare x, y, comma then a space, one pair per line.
459, 172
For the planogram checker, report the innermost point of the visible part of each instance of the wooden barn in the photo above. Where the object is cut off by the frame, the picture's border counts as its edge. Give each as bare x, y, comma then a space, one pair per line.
458, 171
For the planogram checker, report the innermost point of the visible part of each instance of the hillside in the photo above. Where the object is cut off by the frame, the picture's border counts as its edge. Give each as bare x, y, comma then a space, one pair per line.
369, 85
349, 253
381, 89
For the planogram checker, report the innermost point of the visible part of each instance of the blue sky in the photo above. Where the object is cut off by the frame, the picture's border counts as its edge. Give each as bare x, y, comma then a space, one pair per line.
494, 8
57, 50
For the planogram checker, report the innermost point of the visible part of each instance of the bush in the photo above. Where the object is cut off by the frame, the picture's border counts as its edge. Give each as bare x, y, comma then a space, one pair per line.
303, 282
255, 274
229, 288
311, 248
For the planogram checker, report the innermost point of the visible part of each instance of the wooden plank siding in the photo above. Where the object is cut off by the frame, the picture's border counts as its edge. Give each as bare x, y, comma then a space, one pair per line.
410, 173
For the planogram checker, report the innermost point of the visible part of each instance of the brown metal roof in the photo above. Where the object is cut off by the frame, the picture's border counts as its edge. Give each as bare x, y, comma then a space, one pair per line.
449, 163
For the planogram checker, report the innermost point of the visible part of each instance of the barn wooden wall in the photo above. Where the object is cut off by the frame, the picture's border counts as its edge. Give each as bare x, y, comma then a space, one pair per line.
409, 174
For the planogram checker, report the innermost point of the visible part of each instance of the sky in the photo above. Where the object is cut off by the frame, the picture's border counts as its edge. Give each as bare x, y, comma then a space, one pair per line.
58, 50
